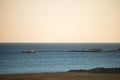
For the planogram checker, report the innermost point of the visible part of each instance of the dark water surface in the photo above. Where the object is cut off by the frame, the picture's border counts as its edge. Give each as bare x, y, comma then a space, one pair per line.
12, 60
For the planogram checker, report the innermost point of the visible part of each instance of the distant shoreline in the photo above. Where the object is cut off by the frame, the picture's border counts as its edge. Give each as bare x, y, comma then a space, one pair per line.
98, 70
83, 50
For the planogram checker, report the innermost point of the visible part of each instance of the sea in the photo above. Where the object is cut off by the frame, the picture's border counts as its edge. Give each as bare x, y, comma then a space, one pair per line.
14, 61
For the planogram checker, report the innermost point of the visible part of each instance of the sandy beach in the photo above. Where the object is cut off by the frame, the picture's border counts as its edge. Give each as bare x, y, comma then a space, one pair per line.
61, 76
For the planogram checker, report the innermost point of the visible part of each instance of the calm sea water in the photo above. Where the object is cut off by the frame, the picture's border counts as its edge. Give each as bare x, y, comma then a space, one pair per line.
12, 60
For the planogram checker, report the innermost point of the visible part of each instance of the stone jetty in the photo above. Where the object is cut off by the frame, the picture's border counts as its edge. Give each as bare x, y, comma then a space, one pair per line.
83, 50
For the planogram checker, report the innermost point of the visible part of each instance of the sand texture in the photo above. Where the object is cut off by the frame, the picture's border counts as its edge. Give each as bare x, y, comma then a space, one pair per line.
61, 76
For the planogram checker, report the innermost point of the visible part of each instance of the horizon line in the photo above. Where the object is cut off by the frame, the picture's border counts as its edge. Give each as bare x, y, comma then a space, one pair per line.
59, 42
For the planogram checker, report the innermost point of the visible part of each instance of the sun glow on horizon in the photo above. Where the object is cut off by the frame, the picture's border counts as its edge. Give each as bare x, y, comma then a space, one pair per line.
71, 21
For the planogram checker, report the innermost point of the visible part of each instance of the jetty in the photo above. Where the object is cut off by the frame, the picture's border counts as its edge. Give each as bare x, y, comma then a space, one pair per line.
82, 50
29, 51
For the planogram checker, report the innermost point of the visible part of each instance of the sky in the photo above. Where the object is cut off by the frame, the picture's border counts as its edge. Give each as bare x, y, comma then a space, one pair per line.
65, 21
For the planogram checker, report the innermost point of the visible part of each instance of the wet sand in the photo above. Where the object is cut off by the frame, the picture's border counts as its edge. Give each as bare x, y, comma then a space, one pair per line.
61, 76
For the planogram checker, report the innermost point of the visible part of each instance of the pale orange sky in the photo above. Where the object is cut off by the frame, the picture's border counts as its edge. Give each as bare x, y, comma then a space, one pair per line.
60, 21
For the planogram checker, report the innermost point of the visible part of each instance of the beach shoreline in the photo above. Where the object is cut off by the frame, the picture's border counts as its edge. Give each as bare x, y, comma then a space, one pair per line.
61, 76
